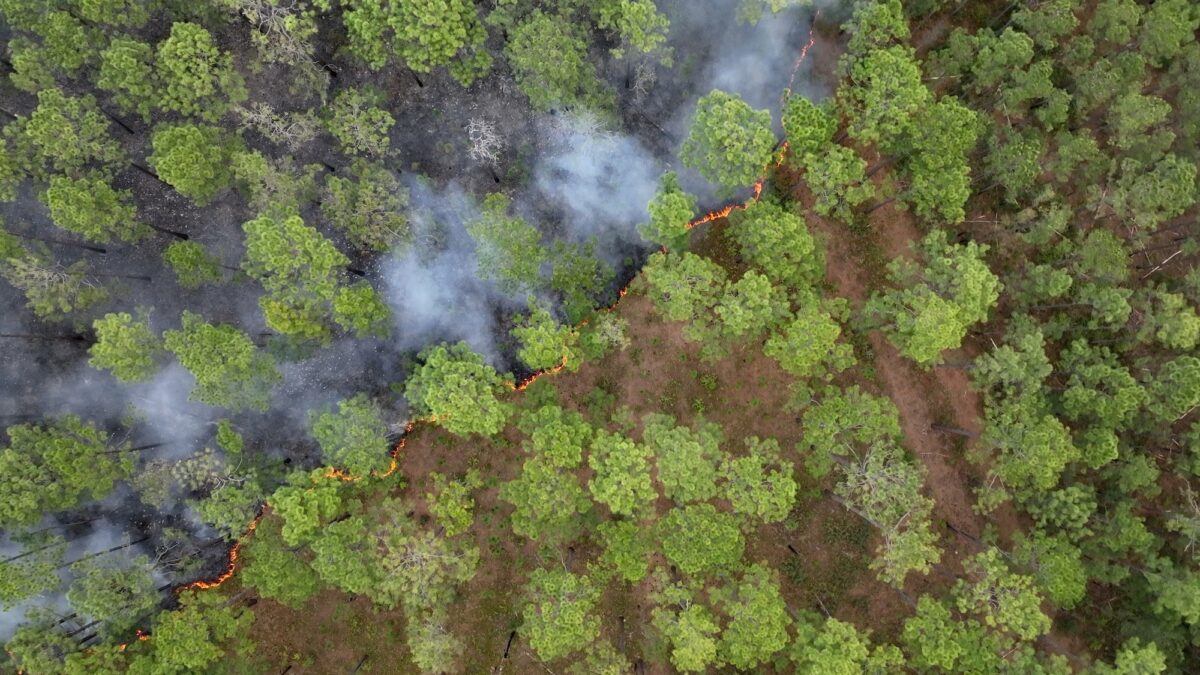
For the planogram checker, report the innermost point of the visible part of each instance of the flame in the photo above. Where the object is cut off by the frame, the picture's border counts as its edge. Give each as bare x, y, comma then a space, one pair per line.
142, 636
812, 39
724, 211
229, 569
340, 474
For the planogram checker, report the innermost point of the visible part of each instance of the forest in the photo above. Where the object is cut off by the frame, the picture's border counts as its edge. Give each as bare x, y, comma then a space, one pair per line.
599, 337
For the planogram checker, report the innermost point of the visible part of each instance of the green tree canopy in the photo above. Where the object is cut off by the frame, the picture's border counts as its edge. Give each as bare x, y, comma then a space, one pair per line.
354, 437
198, 79
229, 370
699, 539
299, 268
729, 142
509, 249
90, 207
758, 619
125, 346
194, 159
670, 212
455, 387
622, 474
685, 459
933, 306
550, 63
559, 618
56, 465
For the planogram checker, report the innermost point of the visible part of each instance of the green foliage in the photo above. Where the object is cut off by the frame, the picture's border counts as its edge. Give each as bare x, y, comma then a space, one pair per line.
883, 93
358, 309
193, 159
549, 501
432, 34
692, 633
358, 123
699, 539
63, 135
639, 24
118, 596
272, 570
749, 307
200, 633
729, 142
127, 74
299, 269
670, 212
275, 188
809, 127
933, 307
621, 477
760, 485
509, 250
33, 573
91, 208
846, 421
229, 370
884, 488
1166, 27
192, 264
685, 459
305, 504
1150, 195
51, 290
559, 436
1176, 389
454, 386
776, 240
808, 345
229, 507
758, 619
451, 502
198, 80
579, 276
55, 466
550, 63
836, 647
353, 437
558, 619
1004, 600
682, 285
1056, 566
544, 343
837, 178
627, 549
368, 205
934, 639
126, 347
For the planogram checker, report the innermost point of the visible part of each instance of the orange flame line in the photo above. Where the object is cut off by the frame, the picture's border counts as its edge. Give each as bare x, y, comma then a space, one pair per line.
340, 474
812, 39
229, 569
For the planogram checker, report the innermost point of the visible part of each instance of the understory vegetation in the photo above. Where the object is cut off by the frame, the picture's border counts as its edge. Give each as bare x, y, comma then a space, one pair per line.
332, 341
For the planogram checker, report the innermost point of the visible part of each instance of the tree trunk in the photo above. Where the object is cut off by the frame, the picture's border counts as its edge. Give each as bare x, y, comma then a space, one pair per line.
28, 553
355, 271
94, 249
97, 554
887, 161
957, 431
65, 338
118, 121
495, 176
871, 209
150, 173
416, 78
136, 277
55, 527
361, 663
511, 636
173, 233
956, 366
139, 448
